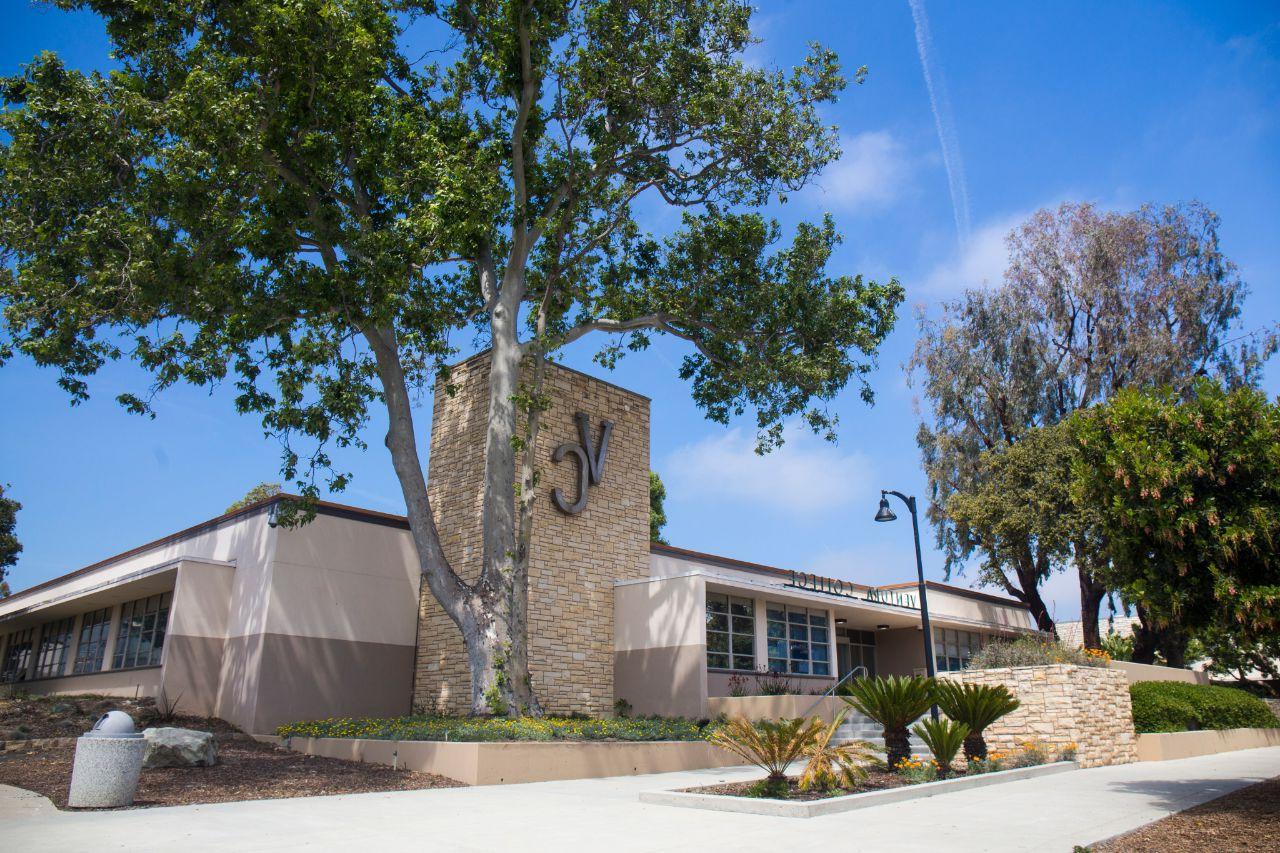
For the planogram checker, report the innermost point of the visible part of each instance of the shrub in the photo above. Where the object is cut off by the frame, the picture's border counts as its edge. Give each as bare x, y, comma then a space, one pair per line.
832, 766
894, 703
769, 745
1031, 651
977, 706
943, 737
770, 683
1175, 706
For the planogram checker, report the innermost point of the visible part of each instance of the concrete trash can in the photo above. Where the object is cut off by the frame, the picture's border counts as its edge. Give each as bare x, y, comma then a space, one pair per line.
108, 762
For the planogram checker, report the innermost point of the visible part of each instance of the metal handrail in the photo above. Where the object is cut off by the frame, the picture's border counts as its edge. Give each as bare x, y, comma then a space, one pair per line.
833, 688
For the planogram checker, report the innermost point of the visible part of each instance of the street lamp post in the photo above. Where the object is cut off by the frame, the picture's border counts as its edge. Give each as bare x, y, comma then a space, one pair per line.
887, 514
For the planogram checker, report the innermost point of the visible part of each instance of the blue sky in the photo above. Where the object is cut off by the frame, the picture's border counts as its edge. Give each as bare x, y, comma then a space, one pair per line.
1117, 104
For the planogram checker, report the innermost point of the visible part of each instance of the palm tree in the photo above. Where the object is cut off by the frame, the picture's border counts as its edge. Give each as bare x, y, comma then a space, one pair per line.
831, 765
771, 746
893, 702
977, 706
943, 737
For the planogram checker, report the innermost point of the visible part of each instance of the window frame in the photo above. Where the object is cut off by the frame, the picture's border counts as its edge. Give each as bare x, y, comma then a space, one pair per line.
795, 617
15, 641
953, 648
730, 660
141, 625
54, 645
91, 648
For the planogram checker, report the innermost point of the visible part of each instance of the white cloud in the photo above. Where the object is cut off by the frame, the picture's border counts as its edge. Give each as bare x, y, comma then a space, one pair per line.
872, 171
978, 263
805, 475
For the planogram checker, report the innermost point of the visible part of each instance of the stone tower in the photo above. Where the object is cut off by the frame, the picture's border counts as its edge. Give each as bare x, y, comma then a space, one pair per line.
575, 558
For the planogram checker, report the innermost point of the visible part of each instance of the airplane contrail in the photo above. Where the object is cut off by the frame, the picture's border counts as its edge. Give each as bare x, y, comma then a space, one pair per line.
941, 106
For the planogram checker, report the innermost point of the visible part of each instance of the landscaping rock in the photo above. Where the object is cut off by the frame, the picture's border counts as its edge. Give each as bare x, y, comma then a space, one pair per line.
171, 747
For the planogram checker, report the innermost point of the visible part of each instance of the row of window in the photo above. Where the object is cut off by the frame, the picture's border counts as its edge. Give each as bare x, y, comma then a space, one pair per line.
952, 649
139, 641
798, 641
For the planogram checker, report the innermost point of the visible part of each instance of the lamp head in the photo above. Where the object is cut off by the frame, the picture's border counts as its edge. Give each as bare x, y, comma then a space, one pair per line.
884, 513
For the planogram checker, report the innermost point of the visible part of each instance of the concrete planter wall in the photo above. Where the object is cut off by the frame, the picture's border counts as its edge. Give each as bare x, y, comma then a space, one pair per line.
775, 707
1169, 745
510, 762
1064, 704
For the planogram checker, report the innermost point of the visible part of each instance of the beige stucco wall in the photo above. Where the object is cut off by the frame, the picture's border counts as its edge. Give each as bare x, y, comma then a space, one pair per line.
1136, 672
660, 646
140, 681
575, 560
1167, 746
1063, 704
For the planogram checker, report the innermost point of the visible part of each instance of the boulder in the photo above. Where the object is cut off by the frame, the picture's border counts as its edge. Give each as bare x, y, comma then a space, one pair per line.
172, 747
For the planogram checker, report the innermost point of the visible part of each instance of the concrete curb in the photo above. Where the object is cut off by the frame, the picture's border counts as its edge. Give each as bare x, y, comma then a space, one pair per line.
851, 802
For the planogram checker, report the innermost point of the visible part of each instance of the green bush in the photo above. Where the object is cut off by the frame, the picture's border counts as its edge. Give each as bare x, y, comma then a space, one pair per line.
502, 728
1175, 706
1031, 651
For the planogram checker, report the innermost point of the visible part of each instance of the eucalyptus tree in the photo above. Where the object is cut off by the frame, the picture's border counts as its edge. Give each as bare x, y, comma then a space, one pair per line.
1091, 302
317, 199
10, 547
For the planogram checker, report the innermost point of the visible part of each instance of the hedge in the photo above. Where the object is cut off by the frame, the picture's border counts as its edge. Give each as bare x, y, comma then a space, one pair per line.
1174, 706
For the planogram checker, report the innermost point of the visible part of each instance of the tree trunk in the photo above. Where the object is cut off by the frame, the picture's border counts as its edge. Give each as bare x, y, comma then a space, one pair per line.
490, 612
897, 745
1091, 595
1144, 639
1029, 593
975, 747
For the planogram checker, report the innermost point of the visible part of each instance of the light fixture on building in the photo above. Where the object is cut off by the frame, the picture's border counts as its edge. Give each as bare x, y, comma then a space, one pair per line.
841, 621
882, 627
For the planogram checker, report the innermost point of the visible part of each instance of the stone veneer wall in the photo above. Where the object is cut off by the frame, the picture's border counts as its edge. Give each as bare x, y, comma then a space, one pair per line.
574, 559
1062, 704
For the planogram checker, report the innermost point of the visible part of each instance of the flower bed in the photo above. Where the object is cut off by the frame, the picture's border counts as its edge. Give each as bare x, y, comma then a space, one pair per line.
480, 730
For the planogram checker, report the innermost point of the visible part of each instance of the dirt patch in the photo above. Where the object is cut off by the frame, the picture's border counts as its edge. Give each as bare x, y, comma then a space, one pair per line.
1248, 819
246, 770
877, 780
32, 717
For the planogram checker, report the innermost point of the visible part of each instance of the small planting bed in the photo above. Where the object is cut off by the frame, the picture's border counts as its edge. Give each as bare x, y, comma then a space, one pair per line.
742, 799
876, 780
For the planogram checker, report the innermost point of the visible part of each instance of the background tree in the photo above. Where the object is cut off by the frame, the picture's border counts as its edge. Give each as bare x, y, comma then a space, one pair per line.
260, 492
1233, 651
1091, 302
657, 515
10, 547
1188, 492
287, 194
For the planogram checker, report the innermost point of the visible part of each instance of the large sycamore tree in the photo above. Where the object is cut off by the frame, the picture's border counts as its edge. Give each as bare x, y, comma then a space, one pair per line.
321, 201
1092, 302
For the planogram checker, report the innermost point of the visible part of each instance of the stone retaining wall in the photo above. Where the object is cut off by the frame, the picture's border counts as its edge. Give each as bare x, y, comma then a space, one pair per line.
1064, 704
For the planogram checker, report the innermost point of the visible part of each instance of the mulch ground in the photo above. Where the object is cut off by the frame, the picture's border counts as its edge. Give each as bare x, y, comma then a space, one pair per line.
246, 770
876, 780
27, 717
1248, 819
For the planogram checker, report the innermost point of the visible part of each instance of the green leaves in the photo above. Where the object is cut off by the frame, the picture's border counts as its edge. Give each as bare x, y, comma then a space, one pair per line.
1188, 488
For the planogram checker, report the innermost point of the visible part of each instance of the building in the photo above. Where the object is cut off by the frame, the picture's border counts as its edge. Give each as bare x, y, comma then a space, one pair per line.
261, 625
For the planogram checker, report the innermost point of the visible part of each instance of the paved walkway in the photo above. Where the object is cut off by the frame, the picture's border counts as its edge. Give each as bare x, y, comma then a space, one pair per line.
1048, 814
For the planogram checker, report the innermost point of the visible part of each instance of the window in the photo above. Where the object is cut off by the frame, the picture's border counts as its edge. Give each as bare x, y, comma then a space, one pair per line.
55, 637
140, 640
17, 657
798, 641
731, 632
952, 649
93, 640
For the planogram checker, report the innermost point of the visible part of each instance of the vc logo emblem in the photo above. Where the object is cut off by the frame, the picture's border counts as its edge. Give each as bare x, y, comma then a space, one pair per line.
590, 462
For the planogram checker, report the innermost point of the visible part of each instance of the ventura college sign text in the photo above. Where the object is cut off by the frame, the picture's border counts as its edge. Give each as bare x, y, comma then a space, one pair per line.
590, 462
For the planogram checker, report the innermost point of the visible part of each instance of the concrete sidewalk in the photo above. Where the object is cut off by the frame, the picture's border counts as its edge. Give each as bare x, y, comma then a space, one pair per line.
1049, 814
